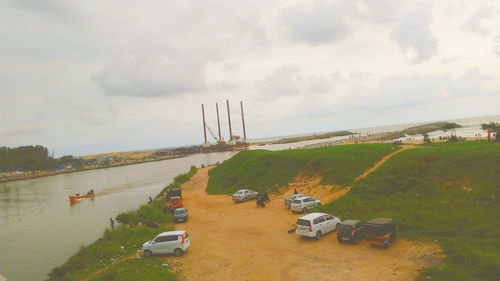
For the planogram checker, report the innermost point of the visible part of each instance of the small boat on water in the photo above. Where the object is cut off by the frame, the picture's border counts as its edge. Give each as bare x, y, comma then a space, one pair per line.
74, 198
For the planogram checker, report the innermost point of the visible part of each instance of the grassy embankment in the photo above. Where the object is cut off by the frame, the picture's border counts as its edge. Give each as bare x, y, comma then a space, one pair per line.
110, 250
261, 170
447, 193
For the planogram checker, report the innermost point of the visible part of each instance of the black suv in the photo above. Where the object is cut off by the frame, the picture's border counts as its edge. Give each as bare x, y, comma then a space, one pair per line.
380, 232
173, 192
350, 230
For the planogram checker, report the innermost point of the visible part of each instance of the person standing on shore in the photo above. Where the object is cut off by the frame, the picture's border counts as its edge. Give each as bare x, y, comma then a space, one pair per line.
112, 223
489, 136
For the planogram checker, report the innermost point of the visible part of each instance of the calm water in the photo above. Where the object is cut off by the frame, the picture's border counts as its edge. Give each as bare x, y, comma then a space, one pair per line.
40, 230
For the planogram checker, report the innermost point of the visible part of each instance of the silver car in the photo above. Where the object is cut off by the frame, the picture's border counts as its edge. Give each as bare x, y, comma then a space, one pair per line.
292, 197
303, 204
170, 242
243, 195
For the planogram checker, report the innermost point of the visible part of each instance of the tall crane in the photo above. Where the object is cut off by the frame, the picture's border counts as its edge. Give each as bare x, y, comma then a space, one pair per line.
213, 135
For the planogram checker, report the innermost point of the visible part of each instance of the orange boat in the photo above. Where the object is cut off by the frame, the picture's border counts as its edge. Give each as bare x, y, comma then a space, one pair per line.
74, 198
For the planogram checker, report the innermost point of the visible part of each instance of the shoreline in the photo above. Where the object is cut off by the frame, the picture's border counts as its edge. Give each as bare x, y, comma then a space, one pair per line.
28, 174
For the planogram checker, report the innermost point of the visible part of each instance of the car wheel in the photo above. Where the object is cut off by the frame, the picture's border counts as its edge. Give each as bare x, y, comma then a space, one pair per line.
304, 210
337, 226
319, 204
339, 239
318, 235
355, 241
178, 252
147, 253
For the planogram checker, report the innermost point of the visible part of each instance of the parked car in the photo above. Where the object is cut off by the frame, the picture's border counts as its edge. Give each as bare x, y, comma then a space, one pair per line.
170, 242
180, 214
350, 230
175, 202
243, 195
302, 204
380, 232
173, 192
292, 197
316, 224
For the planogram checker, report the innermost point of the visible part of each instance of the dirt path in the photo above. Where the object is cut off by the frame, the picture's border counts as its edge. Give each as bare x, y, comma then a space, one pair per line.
243, 242
312, 186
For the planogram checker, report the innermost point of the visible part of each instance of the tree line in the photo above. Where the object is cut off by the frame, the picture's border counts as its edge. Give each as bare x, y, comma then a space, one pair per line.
30, 158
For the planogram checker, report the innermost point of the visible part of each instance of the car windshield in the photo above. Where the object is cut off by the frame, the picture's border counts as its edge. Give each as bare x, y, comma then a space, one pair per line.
239, 192
303, 222
345, 227
297, 201
174, 199
180, 212
376, 229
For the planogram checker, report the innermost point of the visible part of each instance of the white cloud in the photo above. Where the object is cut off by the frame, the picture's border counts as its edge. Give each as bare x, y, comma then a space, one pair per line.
319, 21
283, 82
475, 23
414, 36
150, 75
69, 68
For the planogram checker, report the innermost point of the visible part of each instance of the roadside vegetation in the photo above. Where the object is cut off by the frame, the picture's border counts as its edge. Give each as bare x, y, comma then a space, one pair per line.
262, 170
447, 193
110, 251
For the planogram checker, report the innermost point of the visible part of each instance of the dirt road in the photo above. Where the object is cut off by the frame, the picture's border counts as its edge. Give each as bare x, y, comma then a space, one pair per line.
243, 242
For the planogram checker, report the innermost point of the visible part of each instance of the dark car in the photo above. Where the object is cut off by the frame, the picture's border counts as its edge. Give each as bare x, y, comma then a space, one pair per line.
350, 230
180, 214
173, 192
380, 232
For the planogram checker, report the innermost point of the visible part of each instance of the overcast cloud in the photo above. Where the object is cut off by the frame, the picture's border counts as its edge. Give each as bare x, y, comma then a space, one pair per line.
85, 77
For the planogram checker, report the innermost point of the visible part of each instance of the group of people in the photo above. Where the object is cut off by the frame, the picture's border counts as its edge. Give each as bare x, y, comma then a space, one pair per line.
495, 136
90, 192
262, 198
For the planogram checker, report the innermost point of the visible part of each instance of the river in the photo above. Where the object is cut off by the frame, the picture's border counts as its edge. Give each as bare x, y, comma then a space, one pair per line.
40, 230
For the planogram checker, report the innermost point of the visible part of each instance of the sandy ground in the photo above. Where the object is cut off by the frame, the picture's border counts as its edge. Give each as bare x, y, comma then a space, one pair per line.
232, 241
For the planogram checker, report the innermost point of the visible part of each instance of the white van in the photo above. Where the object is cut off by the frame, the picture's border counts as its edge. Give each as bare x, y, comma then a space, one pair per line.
316, 224
170, 242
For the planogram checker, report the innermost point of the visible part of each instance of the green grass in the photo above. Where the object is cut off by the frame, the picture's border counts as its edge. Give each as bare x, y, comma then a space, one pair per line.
104, 251
261, 170
422, 189
136, 269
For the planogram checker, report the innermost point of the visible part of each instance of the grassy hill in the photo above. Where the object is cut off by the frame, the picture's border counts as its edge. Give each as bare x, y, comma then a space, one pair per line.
260, 169
448, 193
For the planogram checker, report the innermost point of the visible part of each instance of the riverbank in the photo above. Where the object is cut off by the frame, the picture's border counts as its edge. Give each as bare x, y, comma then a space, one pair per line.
16, 176
116, 256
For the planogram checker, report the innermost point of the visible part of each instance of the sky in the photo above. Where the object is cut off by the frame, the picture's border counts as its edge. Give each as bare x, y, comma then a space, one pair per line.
85, 77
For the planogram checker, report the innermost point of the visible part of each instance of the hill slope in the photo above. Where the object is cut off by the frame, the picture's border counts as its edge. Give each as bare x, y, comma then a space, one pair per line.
260, 169
448, 193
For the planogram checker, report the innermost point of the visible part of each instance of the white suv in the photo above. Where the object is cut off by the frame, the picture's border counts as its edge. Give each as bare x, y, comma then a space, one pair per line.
302, 204
176, 242
316, 224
